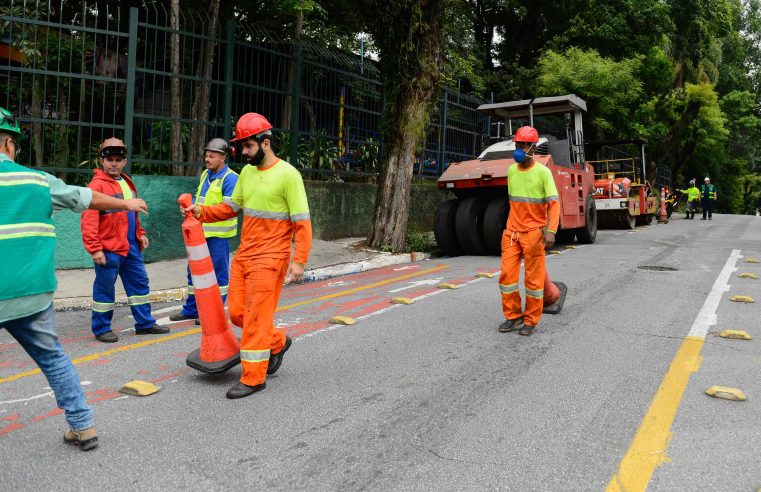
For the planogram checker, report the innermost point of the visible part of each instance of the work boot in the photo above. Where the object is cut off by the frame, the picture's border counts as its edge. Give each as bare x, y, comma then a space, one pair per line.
702, 218
241, 390
277, 359
86, 439
510, 325
527, 330
181, 317
107, 337
153, 330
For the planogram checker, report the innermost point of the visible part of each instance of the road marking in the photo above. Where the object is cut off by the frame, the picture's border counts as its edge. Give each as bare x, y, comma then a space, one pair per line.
364, 287
194, 331
418, 283
648, 448
35, 397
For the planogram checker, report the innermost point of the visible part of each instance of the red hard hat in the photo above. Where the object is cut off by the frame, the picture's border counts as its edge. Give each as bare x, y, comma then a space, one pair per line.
250, 125
526, 134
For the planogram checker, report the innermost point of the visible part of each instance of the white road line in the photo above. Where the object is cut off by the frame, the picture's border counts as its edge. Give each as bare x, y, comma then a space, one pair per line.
707, 315
35, 397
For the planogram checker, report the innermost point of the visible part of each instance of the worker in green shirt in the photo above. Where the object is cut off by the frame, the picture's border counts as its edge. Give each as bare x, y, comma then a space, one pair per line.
693, 199
27, 244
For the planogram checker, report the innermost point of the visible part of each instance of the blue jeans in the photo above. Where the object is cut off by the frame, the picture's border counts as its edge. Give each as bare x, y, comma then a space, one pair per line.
219, 250
131, 269
36, 334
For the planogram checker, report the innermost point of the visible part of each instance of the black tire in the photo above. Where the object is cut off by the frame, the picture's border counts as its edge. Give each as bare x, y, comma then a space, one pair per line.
644, 220
469, 226
588, 233
443, 228
565, 236
628, 221
495, 220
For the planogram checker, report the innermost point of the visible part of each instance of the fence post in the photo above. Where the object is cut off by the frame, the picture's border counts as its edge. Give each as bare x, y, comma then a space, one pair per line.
229, 61
129, 97
295, 105
443, 141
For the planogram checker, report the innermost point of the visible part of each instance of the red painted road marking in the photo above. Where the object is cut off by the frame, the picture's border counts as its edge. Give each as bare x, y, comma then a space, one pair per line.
52, 413
11, 428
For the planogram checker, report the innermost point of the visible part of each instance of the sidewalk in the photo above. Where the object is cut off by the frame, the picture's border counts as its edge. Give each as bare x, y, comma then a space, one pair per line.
168, 279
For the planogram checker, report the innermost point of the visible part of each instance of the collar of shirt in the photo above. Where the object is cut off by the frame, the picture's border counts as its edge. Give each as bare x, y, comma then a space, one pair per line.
219, 173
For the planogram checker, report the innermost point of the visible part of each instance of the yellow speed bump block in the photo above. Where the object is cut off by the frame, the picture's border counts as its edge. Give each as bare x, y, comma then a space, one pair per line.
736, 334
726, 393
570, 246
748, 275
484, 275
746, 299
553, 252
139, 388
402, 300
446, 285
751, 260
342, 320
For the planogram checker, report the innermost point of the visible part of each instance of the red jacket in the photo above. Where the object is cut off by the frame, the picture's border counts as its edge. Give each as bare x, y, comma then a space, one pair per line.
106, 230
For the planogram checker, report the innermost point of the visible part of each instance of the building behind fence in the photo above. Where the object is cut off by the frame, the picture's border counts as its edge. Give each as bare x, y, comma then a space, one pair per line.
73, 77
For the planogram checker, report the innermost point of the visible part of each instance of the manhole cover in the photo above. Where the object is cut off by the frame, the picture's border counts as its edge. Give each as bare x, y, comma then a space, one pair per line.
657, 268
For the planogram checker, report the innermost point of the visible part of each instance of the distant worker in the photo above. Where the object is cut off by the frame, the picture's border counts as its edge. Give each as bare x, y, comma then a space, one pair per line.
531, 227
693, 199
271, 195
115, 239
28, 282
708, 196
216, 186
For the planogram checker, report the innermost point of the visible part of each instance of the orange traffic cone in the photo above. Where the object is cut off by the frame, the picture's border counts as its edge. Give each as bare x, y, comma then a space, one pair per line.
220, 350
663, 217
554, 295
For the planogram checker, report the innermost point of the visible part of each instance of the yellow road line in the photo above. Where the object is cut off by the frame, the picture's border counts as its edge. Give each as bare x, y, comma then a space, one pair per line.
153, 341
648, 448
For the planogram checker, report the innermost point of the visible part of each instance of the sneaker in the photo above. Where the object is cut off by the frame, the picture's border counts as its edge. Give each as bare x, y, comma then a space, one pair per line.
527, 330
86, 439
181, 317
153, 330
510, 325
277, 359
107, 337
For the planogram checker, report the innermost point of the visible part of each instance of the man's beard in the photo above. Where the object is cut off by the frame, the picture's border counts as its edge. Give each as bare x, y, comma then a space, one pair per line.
257, 158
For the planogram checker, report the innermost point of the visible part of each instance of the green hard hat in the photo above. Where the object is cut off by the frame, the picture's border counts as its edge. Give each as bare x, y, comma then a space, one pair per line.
8, 123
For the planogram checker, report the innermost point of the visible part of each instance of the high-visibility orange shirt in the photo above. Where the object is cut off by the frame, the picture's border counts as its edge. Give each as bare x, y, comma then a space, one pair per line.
275, 213
534, 201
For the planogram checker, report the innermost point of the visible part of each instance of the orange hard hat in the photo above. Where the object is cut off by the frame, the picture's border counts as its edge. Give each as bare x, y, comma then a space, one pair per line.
250, 125
526, 134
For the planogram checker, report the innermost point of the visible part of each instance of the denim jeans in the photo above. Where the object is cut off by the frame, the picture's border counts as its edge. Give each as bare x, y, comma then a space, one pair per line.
36, 333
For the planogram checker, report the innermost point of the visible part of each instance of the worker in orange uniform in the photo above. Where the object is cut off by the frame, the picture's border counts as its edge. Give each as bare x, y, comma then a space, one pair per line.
531, 227
271, 195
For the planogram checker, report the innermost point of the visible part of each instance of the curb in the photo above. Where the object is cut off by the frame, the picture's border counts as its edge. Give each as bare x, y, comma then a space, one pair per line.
322, 273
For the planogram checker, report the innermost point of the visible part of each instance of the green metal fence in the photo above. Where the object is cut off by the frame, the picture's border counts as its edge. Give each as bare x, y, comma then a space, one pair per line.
75, 74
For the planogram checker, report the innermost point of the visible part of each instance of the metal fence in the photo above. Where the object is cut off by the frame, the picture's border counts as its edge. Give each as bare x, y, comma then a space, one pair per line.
75, 74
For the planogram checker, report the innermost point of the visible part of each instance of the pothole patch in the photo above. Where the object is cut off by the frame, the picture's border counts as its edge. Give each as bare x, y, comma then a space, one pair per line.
657, 268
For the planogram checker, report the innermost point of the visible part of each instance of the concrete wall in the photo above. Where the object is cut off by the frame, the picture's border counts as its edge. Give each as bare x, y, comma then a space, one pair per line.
338, 210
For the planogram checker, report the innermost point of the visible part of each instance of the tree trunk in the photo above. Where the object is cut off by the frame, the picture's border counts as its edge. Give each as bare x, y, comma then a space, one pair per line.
288, 102
411, 59
176, 109
200, 110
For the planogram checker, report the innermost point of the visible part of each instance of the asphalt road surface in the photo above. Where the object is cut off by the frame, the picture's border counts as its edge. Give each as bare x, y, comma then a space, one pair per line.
610, 393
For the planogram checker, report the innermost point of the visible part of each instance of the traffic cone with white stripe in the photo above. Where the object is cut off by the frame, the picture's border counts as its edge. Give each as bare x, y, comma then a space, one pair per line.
220, 350
554, 295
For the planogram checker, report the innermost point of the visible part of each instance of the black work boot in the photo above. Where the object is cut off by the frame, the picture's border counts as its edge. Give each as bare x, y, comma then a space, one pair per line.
527, 330
277, 359
181, 317
510, 325
153, 330
241, 390
107, 337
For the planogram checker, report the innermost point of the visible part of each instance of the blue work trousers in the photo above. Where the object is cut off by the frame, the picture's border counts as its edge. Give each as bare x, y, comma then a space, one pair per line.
131, 269
707, 207
219, 249
37, 335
